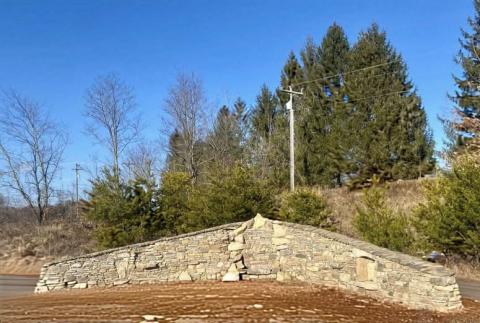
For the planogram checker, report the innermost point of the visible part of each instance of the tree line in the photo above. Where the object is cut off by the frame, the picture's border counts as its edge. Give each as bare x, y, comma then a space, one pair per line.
360, 119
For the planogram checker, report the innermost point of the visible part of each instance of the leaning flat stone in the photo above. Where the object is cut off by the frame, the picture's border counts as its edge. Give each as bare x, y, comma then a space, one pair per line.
240, 229
259, 221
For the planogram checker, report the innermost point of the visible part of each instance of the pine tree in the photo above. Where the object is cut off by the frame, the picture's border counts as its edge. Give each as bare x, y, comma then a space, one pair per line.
264, 115
391, 138
267, 138
124, 212
292, 74
325, 93
467, 97
226, 139
174, 160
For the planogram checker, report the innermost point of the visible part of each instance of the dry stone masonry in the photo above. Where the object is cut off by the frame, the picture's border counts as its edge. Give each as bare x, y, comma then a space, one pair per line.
264, 249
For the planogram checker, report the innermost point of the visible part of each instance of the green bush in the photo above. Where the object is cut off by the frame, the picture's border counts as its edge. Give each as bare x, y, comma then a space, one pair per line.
176, 192
450, 218
124, 213
379, 224
305, 207
231, 195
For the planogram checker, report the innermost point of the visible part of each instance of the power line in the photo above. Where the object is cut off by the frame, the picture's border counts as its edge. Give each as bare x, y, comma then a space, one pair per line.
348, 100
346, 73
378, 96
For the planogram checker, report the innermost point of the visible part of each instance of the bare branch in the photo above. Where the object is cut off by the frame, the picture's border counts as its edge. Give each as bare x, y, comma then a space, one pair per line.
186, 106
31, 148
111, 109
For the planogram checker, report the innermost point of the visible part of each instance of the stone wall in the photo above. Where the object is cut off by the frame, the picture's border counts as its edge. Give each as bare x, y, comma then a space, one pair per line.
264, 249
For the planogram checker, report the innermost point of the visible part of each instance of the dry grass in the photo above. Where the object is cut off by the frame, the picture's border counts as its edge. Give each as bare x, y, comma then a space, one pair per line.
464, 269
403, 196
25, 246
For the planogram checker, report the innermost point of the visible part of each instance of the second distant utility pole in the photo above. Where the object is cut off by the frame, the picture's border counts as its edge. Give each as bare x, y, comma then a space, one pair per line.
292, 135
77, 170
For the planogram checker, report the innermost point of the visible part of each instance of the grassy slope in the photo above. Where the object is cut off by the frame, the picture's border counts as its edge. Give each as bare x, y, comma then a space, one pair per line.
402, 195
24, 247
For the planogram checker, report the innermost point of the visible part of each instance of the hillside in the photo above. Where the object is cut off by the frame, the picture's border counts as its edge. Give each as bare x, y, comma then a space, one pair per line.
25, 247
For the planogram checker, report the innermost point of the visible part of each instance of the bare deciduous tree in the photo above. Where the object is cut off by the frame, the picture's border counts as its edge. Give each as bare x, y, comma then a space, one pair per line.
142, 162
31, 148
186, 106
111, 108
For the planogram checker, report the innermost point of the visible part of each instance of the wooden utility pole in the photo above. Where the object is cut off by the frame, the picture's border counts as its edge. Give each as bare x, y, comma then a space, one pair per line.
292, 135
77, 170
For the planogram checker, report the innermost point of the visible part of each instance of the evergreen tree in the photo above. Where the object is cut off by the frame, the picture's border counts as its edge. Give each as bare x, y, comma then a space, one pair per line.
267, 138
292, 74
467, 97
264, 115
174, 160
388, 124
325, 93
124, 213
226, 139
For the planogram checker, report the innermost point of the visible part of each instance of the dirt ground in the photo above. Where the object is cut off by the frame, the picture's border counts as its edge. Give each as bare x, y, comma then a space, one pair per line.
217, 302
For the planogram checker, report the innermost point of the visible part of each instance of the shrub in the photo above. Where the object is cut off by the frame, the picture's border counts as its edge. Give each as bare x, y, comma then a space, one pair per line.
175, 201
305, 207
450, 218
232, 195
124, 213
379, 224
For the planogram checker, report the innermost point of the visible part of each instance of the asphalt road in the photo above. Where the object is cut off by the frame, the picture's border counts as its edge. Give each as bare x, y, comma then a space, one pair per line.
469, 288
13, 286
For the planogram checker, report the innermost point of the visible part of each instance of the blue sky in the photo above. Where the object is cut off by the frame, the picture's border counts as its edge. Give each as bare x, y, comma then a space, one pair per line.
52, 50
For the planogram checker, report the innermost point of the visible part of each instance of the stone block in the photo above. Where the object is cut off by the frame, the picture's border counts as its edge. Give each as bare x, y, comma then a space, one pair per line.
234, 246
119, 282
279, 230
41, 289
80, 285
280, 241
184, 276
240, 239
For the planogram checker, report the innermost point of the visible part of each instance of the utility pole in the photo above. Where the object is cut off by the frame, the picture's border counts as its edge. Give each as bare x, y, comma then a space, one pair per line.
292, 135
77, 170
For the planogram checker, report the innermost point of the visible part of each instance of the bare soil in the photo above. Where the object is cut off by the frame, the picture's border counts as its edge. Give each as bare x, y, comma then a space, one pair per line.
218, 302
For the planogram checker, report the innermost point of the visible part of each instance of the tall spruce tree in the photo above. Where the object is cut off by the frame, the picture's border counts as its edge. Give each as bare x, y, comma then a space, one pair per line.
467, 97
174, 161
266, 139
225, 141
325, 93
388, 122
